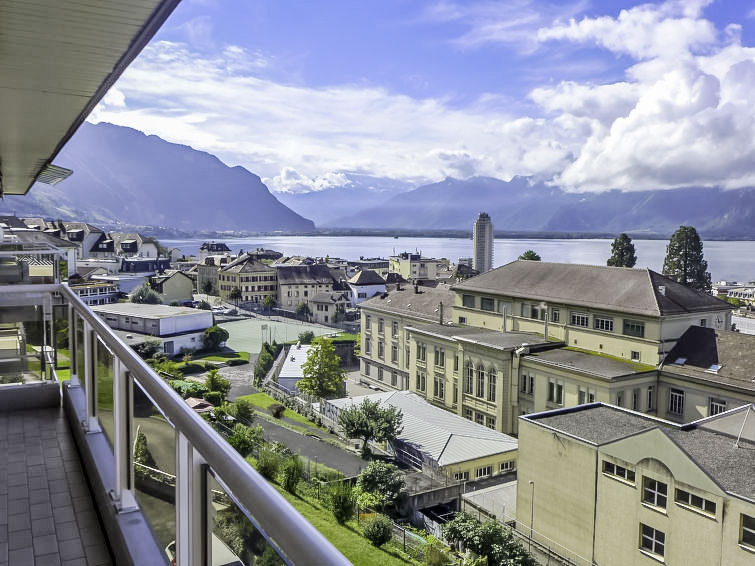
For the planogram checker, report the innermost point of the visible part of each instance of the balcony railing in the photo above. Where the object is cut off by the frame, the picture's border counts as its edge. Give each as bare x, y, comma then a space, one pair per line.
215, 503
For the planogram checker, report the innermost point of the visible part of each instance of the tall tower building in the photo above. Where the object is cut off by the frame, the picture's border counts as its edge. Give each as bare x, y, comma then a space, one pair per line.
483, 243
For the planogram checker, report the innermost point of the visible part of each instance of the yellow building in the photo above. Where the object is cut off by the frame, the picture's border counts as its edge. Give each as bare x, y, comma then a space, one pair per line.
386, 349
253, 279
438, 442
414, 267
611, 486
634, 314
298, 284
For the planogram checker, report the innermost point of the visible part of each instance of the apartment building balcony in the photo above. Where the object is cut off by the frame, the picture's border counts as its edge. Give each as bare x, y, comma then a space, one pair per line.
78, 486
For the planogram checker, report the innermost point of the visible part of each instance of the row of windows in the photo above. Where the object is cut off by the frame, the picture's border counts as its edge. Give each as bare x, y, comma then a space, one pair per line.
676, 403
247, 279
479, 418
653, 540
474, 381
381, 374
485, 471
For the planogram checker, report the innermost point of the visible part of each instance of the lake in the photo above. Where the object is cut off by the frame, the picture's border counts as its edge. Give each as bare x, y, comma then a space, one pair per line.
726, 260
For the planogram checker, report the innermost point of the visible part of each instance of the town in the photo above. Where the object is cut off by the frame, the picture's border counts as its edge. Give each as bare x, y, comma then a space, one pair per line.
450, 394
429, 283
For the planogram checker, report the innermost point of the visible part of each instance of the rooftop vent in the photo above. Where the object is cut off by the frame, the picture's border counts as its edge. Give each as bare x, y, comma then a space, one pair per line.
662, 290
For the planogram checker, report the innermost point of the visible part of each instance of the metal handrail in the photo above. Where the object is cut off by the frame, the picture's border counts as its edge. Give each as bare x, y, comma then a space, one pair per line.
276, 517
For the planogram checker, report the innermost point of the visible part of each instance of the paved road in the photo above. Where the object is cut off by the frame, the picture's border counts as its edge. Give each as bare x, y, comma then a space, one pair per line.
240, 377
313, 448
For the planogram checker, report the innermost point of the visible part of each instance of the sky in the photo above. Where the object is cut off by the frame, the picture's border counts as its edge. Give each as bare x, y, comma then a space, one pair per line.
586, 95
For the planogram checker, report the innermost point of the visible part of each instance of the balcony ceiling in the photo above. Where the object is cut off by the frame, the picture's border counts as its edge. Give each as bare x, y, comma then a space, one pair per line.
58, 58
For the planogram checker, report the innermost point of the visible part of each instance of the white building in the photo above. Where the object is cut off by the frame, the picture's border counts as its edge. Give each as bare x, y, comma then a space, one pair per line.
483, 243
175, 327
291, 371
364, 285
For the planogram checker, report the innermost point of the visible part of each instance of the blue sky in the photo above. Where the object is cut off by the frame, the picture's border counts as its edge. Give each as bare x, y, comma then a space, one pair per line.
589, 95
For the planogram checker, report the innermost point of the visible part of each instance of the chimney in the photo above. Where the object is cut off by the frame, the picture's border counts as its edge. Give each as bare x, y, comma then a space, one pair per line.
440, 311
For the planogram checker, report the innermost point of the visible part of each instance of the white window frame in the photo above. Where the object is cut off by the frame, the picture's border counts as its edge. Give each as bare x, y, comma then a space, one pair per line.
716, 406
483, 472
688, 499
507, 466
676, 402
651, 542
461, 476
577, 318
555, 391
617, 471
747, 531
602, 323
654, 492
439, 387
421, 382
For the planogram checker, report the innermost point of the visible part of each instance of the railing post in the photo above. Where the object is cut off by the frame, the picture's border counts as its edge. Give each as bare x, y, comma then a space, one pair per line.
191, 505
90, 424
73, 345
123, 394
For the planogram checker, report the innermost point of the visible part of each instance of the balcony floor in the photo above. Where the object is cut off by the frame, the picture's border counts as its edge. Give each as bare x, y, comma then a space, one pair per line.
47, 516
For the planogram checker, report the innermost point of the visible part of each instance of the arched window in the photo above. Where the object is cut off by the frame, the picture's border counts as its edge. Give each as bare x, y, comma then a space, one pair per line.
481, 381
469, 377
491, 384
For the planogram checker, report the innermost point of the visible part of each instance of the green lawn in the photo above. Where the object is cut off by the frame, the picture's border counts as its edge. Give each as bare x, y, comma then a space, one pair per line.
223, 356
348, 538
263, 401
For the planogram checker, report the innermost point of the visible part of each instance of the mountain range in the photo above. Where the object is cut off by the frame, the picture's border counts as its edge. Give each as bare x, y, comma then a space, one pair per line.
124, 177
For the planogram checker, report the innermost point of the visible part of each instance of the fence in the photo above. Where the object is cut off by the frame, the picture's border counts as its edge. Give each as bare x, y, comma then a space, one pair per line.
412, 544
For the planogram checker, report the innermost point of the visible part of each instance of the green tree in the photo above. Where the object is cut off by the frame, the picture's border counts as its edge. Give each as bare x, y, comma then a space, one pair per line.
207, 287
622, 252
244, 438
684, 261
142, 454
235, 295
213, 337
303, 310
264, 362
216, 382
531, 255
490, 540
306, 337
269, 303
243, 410
384, 484
323, 376
358, 345
291, 474
145, 296
148, 348
369, 421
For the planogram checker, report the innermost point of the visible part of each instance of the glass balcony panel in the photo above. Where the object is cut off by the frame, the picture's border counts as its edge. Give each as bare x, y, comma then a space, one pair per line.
79, 329
61, 354
235, 539
155, 467
105, 389
21, 344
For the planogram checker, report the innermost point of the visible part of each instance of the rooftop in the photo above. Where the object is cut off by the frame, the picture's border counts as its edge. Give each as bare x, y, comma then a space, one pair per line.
366, 277
719, 356
446, 437
592, 363
480, 336
304, 274
422, 305
147, 311
297, 355
634, 291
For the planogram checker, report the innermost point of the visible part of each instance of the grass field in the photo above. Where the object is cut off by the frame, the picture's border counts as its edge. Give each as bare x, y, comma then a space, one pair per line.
263, 401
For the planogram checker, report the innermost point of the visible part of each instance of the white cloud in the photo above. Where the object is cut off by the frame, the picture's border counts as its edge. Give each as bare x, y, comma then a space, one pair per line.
671, 121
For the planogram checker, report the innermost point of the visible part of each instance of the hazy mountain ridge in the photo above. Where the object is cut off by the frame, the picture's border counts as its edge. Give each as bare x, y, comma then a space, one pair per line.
123, 175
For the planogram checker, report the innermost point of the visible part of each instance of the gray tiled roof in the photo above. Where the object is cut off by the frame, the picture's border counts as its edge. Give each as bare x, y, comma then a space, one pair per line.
636, 291
596, 423
367, 277
701, 348
422, 305
304, 274
247, 264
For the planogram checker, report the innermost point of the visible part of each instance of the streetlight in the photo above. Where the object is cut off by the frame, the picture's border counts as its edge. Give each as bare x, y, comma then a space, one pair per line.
532, 511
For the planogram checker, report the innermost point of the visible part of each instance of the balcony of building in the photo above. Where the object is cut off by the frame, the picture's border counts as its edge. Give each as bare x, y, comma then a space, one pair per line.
104, 463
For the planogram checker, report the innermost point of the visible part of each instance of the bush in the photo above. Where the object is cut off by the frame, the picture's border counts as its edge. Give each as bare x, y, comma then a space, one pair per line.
268, 464
342, 501
214, 397
204, 305
244, 439
213, 337
142, 454
277, 410
378, 530
306, 337
148, 348
216, 382
187, 388
292, 473
192, 368
243, 410
236, 362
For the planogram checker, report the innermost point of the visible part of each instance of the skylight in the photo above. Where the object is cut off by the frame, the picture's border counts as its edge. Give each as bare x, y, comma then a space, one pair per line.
714, 368
680, 361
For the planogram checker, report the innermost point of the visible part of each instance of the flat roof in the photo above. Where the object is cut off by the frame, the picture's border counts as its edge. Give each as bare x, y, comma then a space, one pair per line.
588, 362
148, 311
446, 437
291, 368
